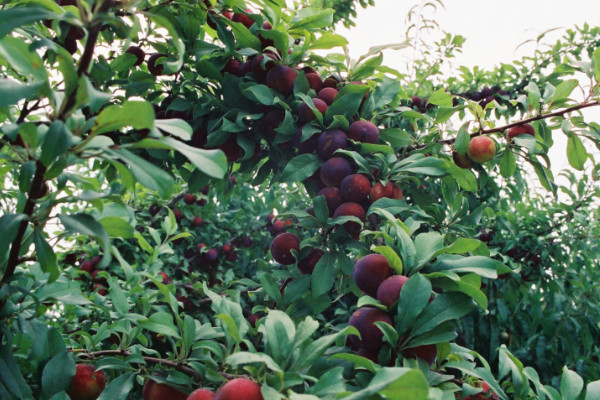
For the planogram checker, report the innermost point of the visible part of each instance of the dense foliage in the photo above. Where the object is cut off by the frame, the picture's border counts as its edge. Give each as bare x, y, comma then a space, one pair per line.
214, 195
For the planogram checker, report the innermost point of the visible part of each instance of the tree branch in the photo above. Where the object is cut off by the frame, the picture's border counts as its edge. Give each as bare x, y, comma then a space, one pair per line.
154, 360
521, 122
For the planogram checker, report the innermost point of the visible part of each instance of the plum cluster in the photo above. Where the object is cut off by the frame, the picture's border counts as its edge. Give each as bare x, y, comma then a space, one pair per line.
373, 275
90, 268
235, 389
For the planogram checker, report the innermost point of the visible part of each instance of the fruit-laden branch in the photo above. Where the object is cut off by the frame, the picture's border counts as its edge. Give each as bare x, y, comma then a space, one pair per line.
178, 366
170, 204
38, 181
521, 122
154, 360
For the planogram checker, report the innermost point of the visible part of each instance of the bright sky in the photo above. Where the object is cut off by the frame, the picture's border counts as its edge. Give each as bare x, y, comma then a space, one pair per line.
493, 31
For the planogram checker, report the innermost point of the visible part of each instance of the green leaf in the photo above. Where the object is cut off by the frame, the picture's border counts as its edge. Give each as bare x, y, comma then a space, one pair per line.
162, 323
328, 40
88, 94
211, 162
118, 388
175, 127
444, 332
146, 173
137, 114
576, 152
300, 167
11, 379
427, 245
244, 357
118, 297
57, 141
86, 225
259, 93
483, 266
17, 17
592, 391
464, 177
309, 354
311, 19
45, 255
564, 89
445, 307
508, 163
404, 384
20, 56
9, 226
397, 138
359, 361
469, 284
57, 374
279, 333
323, 276
347, 102
462, 139
440, 98
414, 297
369, 148
331, 383
391, 256
12, 91
68, 293
426, 166
230, 327
244, 37
533, 94
117, 227
460, 246
596, 59
410, 386
170, 67
571, 384
544, 175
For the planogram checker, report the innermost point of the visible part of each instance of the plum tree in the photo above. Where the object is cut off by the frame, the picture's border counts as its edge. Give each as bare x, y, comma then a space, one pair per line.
281, 78
481, 149
333, 197
330, 141
371, 337
239, 388
522, 129
364, 131
138, 53
355, 187
370, 272
87, 384
307, 264
306, 114
351, 209
97, 148
427, 353
156, 391
282, 246
388, 291
201, 394
334, 170
390, 190
461, 160
327, 94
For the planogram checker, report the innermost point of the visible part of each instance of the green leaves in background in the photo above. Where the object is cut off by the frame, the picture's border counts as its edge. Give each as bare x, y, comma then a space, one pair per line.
137, 114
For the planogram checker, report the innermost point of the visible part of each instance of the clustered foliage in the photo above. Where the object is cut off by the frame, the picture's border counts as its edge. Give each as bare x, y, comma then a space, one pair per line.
198, 203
